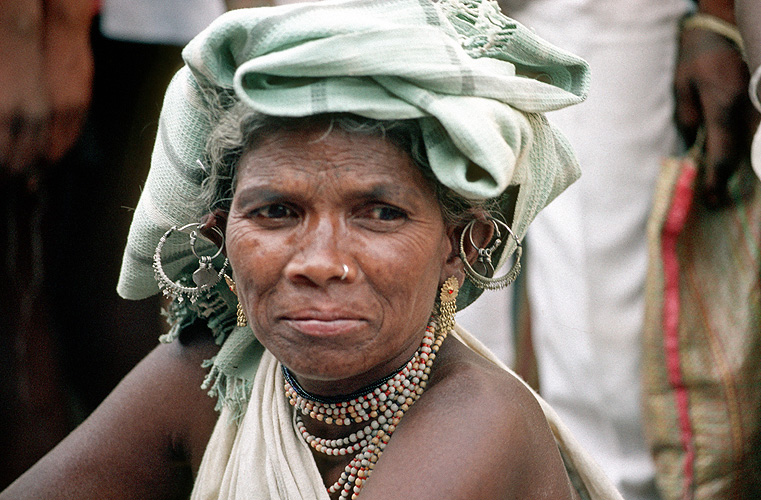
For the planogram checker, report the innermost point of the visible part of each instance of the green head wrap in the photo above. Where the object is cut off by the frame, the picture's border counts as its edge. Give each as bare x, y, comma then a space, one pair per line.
477, 81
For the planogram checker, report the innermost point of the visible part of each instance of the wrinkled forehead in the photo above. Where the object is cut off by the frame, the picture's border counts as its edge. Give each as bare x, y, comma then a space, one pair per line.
317, 156
341, 143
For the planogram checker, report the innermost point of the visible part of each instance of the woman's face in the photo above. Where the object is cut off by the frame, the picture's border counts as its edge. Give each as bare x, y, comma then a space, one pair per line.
308, 202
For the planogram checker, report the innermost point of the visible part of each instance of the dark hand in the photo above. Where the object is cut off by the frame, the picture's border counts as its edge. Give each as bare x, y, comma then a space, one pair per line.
68, 72
711, 91
45, 82
23, 105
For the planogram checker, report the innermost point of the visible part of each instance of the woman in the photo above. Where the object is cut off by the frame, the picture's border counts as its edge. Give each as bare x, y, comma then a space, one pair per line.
353, 162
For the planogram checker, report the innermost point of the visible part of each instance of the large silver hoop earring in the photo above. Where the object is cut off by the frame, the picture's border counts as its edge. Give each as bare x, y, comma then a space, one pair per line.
485, 254
205, 277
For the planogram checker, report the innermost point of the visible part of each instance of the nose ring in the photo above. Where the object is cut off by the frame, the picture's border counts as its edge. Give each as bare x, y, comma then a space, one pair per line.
346, 272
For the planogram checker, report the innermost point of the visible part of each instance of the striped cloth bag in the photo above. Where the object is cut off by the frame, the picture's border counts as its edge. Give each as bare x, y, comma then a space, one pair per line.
702, 338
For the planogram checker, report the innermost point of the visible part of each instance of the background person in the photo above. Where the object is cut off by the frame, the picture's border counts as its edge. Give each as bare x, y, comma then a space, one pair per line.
587, 253
81, 84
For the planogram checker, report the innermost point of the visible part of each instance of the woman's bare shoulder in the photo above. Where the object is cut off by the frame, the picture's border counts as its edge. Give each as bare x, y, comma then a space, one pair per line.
478, 432
144, 441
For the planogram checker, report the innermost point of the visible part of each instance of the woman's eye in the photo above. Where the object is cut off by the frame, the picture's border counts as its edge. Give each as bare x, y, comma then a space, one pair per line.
385, 212
274, 211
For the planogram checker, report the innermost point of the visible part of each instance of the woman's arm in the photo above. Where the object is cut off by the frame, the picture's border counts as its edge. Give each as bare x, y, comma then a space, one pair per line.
144, 441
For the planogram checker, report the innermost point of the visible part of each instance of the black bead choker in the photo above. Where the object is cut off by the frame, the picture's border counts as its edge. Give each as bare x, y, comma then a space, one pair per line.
328, 400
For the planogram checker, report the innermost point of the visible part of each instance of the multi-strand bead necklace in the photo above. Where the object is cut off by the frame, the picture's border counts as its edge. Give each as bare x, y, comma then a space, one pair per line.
382, 406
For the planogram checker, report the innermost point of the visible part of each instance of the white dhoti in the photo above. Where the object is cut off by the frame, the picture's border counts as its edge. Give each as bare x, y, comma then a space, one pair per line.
587, 252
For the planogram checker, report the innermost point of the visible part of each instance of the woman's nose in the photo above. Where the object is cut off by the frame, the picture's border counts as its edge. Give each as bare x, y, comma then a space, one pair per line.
322, 257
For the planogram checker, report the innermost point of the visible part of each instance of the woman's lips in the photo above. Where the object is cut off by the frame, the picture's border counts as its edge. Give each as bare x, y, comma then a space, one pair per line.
324, 327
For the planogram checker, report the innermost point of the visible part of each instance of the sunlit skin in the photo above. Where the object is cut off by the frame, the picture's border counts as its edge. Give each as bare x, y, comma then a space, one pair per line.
306, 203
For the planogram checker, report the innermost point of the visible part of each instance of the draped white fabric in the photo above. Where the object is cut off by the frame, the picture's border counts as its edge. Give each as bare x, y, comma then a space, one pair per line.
265, 458
262, 458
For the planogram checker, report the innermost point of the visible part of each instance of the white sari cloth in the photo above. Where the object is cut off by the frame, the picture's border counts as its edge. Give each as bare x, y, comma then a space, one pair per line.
264, 458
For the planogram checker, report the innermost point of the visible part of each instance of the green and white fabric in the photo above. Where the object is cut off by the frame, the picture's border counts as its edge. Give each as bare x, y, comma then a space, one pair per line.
477, 81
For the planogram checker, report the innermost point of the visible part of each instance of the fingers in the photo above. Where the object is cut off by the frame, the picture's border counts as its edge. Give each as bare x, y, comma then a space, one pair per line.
46, 71
726, 121
23, 141
725, 145
65, 128
68, 66
23, 104
711, 92
688, 114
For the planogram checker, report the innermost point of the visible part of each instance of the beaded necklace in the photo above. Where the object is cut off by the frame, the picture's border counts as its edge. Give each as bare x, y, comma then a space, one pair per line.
382, 406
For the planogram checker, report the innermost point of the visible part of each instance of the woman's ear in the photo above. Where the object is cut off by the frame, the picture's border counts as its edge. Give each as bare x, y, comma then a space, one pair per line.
476, 237
217, 219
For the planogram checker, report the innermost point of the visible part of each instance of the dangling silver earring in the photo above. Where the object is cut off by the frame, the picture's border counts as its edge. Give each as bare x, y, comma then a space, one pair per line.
205, 277
485, 254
